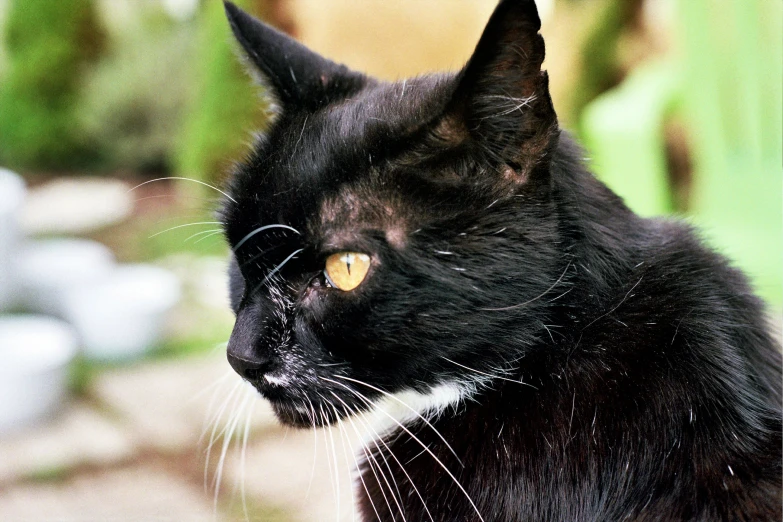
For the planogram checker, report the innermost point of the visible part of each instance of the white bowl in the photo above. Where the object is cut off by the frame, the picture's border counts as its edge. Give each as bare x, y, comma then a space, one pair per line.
12, 195
48, 269
34, 355
121, 316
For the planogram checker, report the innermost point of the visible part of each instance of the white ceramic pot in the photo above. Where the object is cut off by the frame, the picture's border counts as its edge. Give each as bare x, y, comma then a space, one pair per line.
12, 194
48, 269
35, 352
121, 316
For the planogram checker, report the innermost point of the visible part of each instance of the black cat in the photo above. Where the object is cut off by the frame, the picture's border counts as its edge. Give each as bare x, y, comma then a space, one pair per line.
438, 242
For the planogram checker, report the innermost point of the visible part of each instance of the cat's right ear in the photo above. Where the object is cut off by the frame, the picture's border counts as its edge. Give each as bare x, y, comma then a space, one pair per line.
297, 77
501, 101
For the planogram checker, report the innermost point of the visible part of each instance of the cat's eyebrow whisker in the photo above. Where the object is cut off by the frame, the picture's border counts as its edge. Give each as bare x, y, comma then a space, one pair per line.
185, 225
261, 229
260, 255
520, 305
490, 375
210, 231
277, 268
184, 179
419, 415
415, 438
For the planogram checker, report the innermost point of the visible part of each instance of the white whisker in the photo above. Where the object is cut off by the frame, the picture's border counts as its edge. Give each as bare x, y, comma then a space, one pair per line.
186, 225
490, 375
214, 422
375, 436
415, 438
346, 451
336, 472
183, 179
245, 438
358, 469
210, 231
391, 396
227, 437
273, 272
311, 415
259, 230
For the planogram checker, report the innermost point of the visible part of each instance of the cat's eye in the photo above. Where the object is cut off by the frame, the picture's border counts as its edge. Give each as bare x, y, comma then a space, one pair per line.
346, 270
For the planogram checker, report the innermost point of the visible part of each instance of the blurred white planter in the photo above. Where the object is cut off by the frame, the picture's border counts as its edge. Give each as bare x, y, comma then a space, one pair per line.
48, 269
12, 195
34, 355
121, 316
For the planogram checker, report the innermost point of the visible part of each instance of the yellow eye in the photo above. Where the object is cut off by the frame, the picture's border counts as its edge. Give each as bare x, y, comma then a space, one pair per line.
346, 270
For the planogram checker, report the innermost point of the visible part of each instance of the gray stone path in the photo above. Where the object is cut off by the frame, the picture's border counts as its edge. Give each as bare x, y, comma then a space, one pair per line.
132, 450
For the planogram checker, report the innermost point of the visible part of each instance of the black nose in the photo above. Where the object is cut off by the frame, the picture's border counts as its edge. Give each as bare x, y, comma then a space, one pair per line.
243, 351
249, 368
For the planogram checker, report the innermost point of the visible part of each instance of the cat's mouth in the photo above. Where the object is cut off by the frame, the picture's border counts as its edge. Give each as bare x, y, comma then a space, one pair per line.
295, 408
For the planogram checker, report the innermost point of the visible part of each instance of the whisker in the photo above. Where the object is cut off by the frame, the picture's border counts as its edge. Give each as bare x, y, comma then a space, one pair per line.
178, 196
346, 451
227, 437
184, 179
391, 396
210, 231
186, 225
336, 475
398, 498
261, 229
358, 470
245, 438
415, 438
215, 423
311, 415
490, 375
273, 272
372, 431
260, 255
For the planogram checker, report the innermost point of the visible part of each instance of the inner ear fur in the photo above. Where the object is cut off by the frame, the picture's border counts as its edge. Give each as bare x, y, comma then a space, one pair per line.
501, 100
297, 76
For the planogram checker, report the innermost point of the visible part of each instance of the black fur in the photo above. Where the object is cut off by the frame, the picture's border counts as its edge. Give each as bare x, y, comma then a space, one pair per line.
632, 375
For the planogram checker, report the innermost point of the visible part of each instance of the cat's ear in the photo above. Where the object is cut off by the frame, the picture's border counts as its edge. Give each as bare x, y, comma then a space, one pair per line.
297, 76
501, 100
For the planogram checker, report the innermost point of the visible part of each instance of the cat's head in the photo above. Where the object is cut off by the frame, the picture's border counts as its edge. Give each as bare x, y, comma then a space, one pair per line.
385, 233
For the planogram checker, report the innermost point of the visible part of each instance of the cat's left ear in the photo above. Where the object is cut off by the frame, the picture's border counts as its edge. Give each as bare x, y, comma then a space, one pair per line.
501, 100
298, 77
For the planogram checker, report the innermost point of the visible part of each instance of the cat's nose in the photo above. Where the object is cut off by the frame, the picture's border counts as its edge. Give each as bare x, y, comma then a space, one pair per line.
243, 352
251, 368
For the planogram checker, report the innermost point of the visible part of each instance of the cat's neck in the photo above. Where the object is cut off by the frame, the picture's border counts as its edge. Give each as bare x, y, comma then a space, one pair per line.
598, 229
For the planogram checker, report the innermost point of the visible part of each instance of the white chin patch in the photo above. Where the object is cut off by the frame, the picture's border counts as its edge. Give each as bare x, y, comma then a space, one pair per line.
403, 407
276, 380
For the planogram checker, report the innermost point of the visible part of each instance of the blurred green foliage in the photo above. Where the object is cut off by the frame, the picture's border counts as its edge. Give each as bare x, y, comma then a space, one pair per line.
227, 106
134, 98
49, 44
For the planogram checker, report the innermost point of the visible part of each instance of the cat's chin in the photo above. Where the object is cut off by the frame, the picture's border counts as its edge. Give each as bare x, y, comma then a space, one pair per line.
297, 416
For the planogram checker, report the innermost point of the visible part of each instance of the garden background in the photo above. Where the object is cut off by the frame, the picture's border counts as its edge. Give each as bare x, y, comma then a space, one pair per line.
110, 109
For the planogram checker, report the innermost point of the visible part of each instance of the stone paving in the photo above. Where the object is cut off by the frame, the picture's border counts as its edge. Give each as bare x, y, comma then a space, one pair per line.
134, 448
